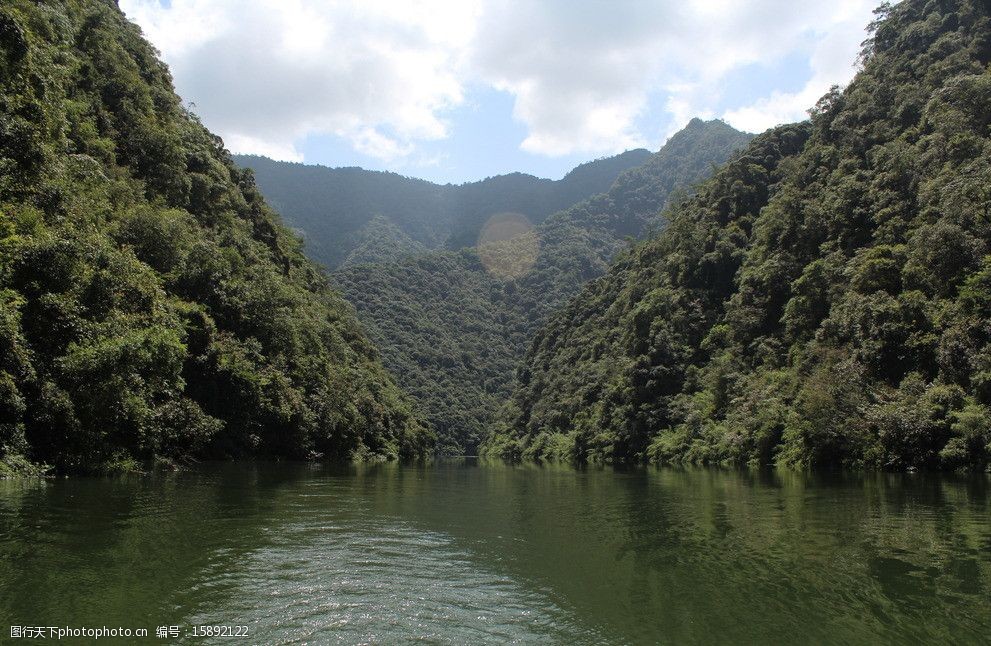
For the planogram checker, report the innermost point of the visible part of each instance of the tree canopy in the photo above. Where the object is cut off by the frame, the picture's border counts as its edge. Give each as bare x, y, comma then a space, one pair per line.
342, 213
151, 304
823, 300
453, 331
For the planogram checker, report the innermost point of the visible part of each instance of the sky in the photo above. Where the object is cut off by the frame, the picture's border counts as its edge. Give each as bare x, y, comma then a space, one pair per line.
455, 91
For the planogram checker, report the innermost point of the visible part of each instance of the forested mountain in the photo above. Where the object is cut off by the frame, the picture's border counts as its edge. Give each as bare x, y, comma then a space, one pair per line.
453, 330
341, 212
578, 243
823, 300
450, 334
151, 304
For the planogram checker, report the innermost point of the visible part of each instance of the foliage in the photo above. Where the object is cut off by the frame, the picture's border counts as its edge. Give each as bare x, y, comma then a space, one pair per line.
448, 334
453, 333
151, 304
823, 300
343, 213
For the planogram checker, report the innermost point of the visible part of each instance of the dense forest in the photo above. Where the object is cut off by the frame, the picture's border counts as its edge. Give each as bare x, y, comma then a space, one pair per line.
823, 300
453, 331
352, 215
151, 304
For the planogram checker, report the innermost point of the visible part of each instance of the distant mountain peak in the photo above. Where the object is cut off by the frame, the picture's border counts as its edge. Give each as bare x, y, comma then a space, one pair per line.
702, 125
333, 206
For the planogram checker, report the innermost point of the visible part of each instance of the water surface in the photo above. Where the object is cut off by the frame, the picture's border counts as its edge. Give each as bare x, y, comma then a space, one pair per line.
462, 552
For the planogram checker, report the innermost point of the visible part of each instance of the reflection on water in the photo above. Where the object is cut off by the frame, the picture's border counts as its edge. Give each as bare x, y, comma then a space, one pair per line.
458, 551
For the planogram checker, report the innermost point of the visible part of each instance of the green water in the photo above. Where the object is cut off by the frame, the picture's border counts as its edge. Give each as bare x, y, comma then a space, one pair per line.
467, 553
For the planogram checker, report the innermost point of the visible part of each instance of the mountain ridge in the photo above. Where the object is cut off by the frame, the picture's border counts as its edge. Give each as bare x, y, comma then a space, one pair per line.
822, 301
330, 207
153, 308
452, 331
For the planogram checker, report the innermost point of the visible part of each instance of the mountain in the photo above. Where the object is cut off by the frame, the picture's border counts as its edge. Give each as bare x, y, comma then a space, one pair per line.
340, 210
823, 300
453, 325
578, 243
151, 304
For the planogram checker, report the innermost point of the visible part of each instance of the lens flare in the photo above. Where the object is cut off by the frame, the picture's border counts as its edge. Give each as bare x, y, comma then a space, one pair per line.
508, 245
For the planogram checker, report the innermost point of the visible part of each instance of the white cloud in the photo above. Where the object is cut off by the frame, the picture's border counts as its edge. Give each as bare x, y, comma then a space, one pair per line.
265, 74
832, 63
272, 149
369, 141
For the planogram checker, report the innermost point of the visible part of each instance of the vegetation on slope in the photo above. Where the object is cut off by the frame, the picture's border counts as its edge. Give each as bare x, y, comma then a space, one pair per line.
449, 331
824, 300
453, 333
341, 210
151, 305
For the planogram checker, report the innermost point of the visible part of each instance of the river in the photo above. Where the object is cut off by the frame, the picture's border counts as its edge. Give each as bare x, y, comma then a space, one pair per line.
462, 552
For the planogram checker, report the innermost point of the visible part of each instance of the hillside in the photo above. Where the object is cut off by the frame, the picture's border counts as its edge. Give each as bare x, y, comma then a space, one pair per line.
453, 330
341, 210
823, 300
151, 304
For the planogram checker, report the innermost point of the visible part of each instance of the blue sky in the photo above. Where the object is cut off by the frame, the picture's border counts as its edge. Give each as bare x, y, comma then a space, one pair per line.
458, 91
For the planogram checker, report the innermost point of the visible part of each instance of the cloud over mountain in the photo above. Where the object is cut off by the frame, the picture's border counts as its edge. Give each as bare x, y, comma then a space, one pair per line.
584, 75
